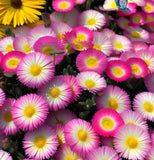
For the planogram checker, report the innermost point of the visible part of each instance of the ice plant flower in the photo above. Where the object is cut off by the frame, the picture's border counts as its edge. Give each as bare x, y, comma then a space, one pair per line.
118, 70
132, 142
11, 61
91, 60
113, 97
29, 111
6, 120
19, 12
101, 153
148, 7
6, 44
106, 121
133, 117
123, 22
5, 155
91, 19
149, 82
2, 97
91, 81
80, 136
138, 66
57, 93
35, 69
143, 103
41, 143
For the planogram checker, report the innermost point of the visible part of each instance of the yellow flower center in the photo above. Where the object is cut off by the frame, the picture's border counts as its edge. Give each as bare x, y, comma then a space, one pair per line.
149, 19
13, 62
61, 139
47, 50
82, 135
132, 142
136, 69
91, 21
148, 7
97, 47
55, 92
118, 45
26, 48
9, 48
64, 5
81, 37
107, 123
78, 45
60, 36
40, 142
135, 34
16, 4
73, 89
70, 156
130, 123
147, 62
137, 18
113, 104
117, 71
90, 84
29, 111
113, 5
92, 62
148, 107
35, 70
8, 116
125, 24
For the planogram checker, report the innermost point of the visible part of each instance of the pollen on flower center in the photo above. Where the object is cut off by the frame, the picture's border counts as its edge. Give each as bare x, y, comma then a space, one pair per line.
9, 48
82, 135
107, 123
8, 116
91, 62
47, 50
29, 111
81, 37
91, 21
16, 4
113, 104
118, 45
136, 69
148, 8
40, 142
97, 47
90, 84
64, 5
13, 63
148, 107
26, 48
137, 18
36, 70
118, 71
132, 142
55, 92
135, 34
147, 62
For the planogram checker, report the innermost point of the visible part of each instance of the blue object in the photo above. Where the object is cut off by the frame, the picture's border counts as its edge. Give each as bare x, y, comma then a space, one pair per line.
122, 4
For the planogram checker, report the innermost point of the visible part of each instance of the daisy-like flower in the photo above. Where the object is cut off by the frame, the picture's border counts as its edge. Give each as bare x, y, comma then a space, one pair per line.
35, 69
91, 60
137, 18
11, 61
63, 5
91, 19
148, 7
148, 57
106, 122
132, 142
136, 33
123, 22
57, 93
80, 136
29, 111
41, 143
18, 12
110, 5
103, 152
149, 82
113, 97
102, 42
121, 43
6, 121
61, 116
6, 44
118, 70
20, 43
66, 153
2, 97
76, 89
143, 103
5, 155
91, 81
138, 66
47, 44
133, 117
38, 32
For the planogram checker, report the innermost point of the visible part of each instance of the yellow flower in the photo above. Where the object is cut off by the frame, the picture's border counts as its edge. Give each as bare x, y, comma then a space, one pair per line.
18, 12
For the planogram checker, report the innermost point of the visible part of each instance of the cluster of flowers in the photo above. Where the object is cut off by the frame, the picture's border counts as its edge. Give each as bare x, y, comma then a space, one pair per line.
119, 127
